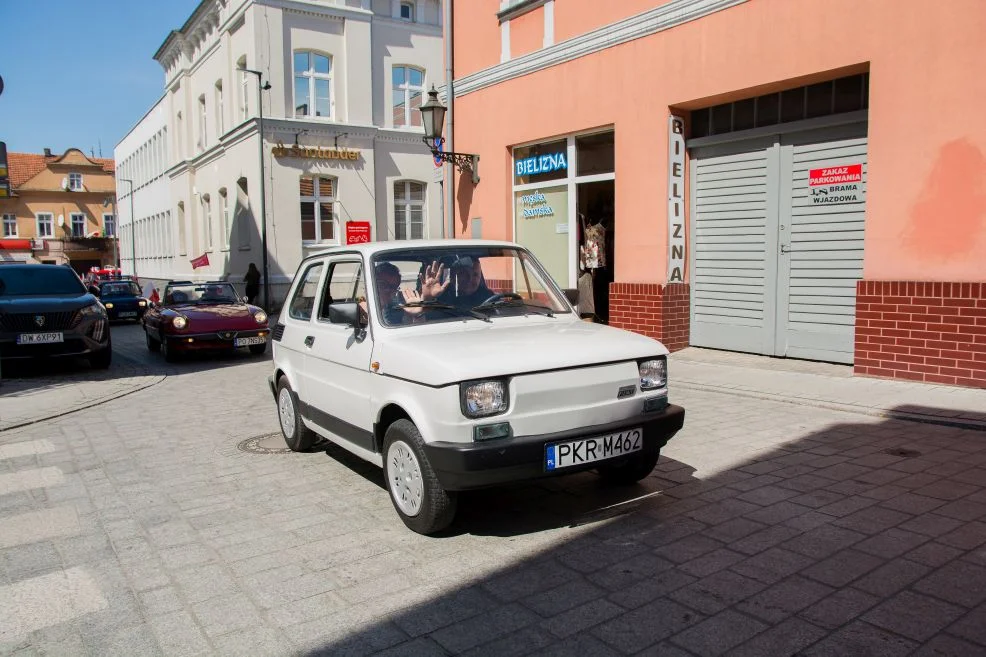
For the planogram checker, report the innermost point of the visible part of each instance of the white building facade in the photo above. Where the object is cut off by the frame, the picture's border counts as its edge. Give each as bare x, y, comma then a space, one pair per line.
342, 138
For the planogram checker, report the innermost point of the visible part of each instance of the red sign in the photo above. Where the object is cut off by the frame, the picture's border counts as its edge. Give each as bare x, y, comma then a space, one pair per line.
851, 173
15, 245
201, 261
357, 232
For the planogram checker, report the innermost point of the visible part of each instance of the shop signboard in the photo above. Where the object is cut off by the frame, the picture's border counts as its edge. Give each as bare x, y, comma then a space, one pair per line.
530, 166
676, 200
357, 232
836, 184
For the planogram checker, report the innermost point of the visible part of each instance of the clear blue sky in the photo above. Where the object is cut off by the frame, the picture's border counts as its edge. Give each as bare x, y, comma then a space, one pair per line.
80, 72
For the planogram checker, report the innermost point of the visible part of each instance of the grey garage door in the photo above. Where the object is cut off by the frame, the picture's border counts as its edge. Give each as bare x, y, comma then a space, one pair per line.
777, 243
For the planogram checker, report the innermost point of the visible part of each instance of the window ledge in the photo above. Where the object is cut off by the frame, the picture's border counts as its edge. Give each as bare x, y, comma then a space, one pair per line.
519, 9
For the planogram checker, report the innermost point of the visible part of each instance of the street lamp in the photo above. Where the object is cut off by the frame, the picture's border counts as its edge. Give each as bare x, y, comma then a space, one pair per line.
133, 225
262, 86
433, 120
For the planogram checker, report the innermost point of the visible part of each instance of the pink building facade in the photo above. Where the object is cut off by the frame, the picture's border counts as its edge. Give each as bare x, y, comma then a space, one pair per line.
802, 179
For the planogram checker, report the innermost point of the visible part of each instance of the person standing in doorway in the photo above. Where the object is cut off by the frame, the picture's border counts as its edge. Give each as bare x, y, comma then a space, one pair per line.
252, 280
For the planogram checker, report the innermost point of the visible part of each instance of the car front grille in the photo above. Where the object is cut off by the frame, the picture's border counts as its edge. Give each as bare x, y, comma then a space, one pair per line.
25, 322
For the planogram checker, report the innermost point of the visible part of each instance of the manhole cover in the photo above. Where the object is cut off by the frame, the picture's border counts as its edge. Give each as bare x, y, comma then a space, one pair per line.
269, 443
906, 453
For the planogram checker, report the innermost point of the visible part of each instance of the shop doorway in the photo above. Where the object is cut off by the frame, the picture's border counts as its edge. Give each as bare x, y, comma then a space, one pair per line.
595, 211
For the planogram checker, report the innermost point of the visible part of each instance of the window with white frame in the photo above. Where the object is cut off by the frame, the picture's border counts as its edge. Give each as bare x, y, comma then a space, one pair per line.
407, 11
46, 224
408, 90
109, 225
203, 123
78, 224
75, 181
312, 85
224, 214
317, 195
9, 225
244, 108
219, 108
182, 248
207, 221
409, 210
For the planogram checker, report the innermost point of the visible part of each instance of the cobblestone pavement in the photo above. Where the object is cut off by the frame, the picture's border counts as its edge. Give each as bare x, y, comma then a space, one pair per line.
139, 527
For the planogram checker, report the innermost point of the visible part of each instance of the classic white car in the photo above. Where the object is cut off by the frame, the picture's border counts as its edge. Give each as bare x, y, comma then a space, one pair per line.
460, 364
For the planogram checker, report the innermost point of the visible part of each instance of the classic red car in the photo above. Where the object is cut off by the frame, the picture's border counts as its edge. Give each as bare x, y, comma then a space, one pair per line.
201, 317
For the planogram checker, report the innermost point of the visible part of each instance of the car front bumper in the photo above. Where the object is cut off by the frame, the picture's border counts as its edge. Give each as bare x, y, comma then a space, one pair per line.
463, 466
90, 337
217, 340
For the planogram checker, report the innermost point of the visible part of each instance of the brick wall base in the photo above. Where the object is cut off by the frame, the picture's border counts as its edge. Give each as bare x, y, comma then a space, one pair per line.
932, 332
655, 310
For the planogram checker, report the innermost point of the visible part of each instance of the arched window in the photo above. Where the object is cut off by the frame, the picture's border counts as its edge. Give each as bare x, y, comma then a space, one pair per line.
312, 85
409, 88
409, 210
317, 195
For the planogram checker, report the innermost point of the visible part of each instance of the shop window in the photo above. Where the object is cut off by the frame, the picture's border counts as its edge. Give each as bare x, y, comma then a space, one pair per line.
595, 154
317, 196
541, 162
409, 210
408, 89
9, 225
312, 85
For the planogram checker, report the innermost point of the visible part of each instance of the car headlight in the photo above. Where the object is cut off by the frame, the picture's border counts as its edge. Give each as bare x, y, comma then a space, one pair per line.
141, 303
483, 398
93, 310
653, 373
179, 322
108, 304
260, 316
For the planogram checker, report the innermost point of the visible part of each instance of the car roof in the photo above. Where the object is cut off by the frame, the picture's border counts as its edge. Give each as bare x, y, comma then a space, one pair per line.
372, 248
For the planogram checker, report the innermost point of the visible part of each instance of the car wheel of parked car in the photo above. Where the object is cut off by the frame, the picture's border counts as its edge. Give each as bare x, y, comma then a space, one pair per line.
257, 349
101, 359
169, 353
297, 436
631, 471
152, 344
420, 501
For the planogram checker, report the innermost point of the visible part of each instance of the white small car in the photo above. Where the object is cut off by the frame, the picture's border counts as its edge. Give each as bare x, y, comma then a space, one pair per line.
460, 364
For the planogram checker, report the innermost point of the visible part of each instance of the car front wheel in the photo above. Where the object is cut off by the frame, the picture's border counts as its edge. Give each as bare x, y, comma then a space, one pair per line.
630, 471
168, 351
419, 499
258, 349
297, 436
152, 344
101, 359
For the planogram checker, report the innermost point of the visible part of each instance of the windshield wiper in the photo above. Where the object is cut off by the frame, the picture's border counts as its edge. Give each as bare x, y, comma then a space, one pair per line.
443, 306
514, 303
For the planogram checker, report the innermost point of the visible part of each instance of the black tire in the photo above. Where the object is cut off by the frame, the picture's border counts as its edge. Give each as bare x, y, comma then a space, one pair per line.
437, 506
101, 359
297, 436
169, 353
630, 471
258, 349
152, 345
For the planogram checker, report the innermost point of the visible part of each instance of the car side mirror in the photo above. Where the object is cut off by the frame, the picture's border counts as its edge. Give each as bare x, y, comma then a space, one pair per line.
245, 299
344, 313
572, 295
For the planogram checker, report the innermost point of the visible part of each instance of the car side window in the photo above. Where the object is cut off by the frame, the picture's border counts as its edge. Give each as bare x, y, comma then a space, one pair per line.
345, 285
303, 301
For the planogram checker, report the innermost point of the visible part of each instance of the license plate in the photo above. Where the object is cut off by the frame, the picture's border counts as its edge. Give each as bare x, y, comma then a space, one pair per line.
40, 338
127, 314
589, 450
244, 342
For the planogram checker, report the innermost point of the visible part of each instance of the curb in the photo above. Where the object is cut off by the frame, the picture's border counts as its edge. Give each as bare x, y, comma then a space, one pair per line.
957, 423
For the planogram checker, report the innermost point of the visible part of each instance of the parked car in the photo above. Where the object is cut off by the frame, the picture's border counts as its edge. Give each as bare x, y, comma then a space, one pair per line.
123, 300
202, 317
45, 311
479, 374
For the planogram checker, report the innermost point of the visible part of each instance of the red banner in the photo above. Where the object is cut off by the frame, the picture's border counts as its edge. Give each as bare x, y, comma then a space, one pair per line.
15, 245
201, 261
851, 173
357, 232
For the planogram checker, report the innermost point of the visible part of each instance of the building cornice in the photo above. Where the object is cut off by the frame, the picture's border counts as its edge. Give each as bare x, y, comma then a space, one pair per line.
668, 15
320, 10
519, 9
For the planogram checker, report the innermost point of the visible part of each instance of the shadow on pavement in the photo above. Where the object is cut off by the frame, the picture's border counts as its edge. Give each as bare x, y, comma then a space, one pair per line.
863, 538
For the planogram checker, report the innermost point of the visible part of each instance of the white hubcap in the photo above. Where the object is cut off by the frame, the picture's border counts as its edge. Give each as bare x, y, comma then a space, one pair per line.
285, 409
404, 478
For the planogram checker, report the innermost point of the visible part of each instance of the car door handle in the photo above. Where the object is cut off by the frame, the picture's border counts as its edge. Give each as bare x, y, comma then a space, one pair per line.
310, 340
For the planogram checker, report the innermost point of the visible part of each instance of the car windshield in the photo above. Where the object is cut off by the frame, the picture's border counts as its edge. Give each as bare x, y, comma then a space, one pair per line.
39, 280
121, 289
453, 283
200, 294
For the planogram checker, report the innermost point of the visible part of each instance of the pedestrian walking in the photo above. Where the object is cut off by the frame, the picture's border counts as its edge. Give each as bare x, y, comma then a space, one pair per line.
252, 280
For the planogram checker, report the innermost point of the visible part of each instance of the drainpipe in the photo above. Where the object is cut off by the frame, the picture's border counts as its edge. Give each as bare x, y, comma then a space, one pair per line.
449, 123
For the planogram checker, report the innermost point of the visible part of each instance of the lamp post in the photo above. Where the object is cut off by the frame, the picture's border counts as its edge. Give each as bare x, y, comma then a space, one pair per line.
262, 86
133, 225
433, 120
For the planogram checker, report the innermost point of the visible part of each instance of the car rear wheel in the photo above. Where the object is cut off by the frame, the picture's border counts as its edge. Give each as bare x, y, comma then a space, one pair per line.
297, 436
152, 344
419, 499
257, 349
630, 471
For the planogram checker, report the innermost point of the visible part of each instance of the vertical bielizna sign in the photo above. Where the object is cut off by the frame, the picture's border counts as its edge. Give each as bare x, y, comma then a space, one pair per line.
676, 200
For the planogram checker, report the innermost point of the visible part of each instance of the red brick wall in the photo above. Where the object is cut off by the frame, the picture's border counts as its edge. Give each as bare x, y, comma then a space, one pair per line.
655, 310
933, 332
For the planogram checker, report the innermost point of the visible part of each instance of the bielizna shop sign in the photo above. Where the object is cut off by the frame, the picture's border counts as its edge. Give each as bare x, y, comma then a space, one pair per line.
530, 166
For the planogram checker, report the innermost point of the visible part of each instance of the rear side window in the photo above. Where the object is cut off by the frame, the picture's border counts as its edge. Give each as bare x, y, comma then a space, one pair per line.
39, 280
303, 301
345, 285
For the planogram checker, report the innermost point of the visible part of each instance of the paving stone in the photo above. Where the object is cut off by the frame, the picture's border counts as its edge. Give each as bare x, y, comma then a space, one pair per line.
733, 530
483, 628
629, 572
650, 588
160, 601
948, 490
861, 639
137, 640
784, 599
716, 592
967, 537
582, 617
646, 625
447, 610
528, 580
717, 634
972, 626
204, 582
256, 642
772, 565
944, 645
933, 554
957, 582
764, 539
779, 512
580, 644
178, 633
787, 638
891, 543
687, 548
823, 541
913, 503
872, 520
892, 577
529, 640
842, 568
839, 608
913, 615
225, 614
727, 509
963, 509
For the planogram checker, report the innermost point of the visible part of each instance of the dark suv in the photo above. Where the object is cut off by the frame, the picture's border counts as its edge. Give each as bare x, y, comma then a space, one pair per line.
46, 311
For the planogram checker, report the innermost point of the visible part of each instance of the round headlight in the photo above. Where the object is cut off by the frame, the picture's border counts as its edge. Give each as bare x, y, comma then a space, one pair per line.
108, 304
179, 322
260, 316
141, 303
